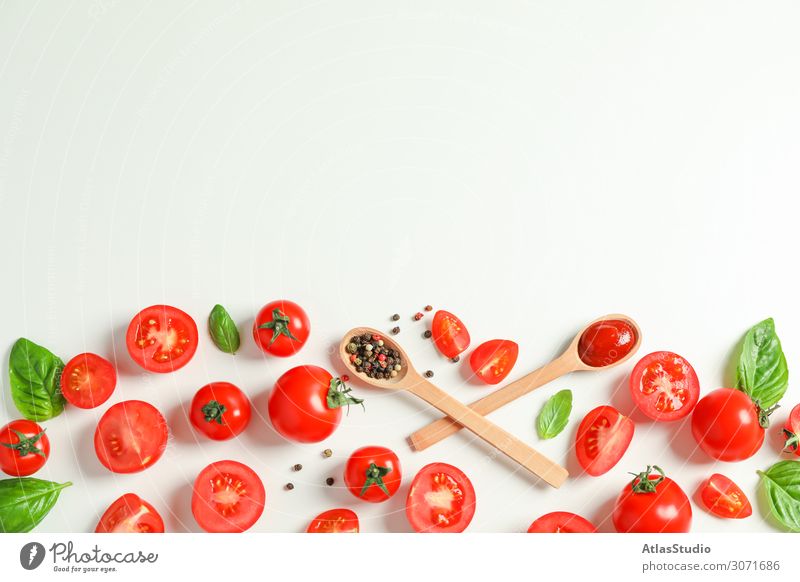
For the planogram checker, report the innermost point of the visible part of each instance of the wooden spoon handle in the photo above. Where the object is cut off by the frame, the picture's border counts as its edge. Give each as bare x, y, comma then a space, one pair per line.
503, 441
445, 427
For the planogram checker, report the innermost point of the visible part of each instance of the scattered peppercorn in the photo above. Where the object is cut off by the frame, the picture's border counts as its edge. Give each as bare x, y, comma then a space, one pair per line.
345, 377
329, 481
327, 453
429, 374
396, 317
429, 308
455, 359
395, 330
289, 486
297, 467
427, 334
417, 316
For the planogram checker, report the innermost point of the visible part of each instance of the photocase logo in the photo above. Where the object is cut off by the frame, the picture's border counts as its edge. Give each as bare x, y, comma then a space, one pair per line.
31, 555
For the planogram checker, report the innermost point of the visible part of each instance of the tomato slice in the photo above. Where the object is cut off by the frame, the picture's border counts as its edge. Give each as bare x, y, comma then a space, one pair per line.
88, 380
130, 514
228, 497
493, 360
724, 498
130, 436
334, 521
603, 437
606, 342
449, 335
562, 522
664, 386
441, 499
161, 338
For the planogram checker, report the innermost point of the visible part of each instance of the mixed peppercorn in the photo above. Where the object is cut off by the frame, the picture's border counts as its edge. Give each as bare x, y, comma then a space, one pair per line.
369, 355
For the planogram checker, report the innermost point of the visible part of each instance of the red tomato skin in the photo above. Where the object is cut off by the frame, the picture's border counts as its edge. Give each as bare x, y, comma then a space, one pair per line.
418, 511
252, 502
356, 469
235, 418
145, 518
298, 405
102, 379
606, 342
668, 510
485, 358
152, 436
334, 521
725, 425
10, 461
611, 454
299, 325
792, 426
162, 314
562, 522
450, 335
666, 368
713, 490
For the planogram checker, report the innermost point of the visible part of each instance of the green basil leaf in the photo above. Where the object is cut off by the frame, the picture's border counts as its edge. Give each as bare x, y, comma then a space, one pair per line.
223, 330
762, 371
555, 414
24, 502
782, 486
35, 376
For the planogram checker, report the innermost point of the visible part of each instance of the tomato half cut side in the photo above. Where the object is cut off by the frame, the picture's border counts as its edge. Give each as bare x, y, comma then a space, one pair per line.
88, 380
724, 498
228, 497
603, 437
162, 338
492, 361
562, 522
664, 386
130, 436
441, 500
334, 521
450, 335
130, 514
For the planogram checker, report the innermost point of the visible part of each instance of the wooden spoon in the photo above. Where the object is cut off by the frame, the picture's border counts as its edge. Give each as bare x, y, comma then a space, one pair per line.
567, 362
410, 380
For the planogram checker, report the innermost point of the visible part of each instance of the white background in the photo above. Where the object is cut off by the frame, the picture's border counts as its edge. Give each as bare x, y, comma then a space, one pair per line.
527, 165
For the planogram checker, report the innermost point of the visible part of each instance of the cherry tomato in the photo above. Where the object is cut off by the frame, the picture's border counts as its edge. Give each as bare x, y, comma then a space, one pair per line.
652, 504
373, 474
220, 411
281, 328
727, 425
606, 342
130, 436
493, 360
664, 386
161, 338
441, 500
24, 448
334, 521
300, 404
228, 497
791, 432
562, 522
449, 335
722, 497
88, 380
130, 514
603, 437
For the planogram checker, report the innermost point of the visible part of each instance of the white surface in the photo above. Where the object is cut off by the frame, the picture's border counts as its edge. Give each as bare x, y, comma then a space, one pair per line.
528, 166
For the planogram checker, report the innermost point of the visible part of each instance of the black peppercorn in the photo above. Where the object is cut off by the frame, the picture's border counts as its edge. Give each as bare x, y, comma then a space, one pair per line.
429, 374
455, 359
396, 317
427, 334
329, 481
297, 467
289, 486
395, 330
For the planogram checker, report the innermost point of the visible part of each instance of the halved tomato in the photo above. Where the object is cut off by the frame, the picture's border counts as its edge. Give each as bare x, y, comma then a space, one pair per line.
441, 500
724, 498
88, 380
493, 360
664, 386
130, 436
562, 522
162, 338
603, 437
449, 335
334, 521
228, 497
130, 514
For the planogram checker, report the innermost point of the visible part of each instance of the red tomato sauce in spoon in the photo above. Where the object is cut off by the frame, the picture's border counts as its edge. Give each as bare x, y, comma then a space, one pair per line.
606, 342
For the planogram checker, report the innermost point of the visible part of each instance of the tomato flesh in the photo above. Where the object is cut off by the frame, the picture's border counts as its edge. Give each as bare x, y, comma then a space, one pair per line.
130, 514
450, 335
162, 338
603, 438
492, 361
88, 380
441, 499
725, 424
130, 436
23, 457
562, 522
724, 498
606, 342
664, 386
228, 497
334, 521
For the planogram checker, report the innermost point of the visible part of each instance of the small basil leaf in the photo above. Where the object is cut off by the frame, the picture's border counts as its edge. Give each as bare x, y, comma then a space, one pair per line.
24, 502
555, 414
35, 376
762, 372
782, 487
223, 330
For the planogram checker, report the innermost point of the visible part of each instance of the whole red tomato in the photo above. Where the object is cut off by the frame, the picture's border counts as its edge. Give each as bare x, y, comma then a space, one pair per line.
652, 504
373, 474
791, 432
305, 404
220, 411
24, 448
281, 328
728, 425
